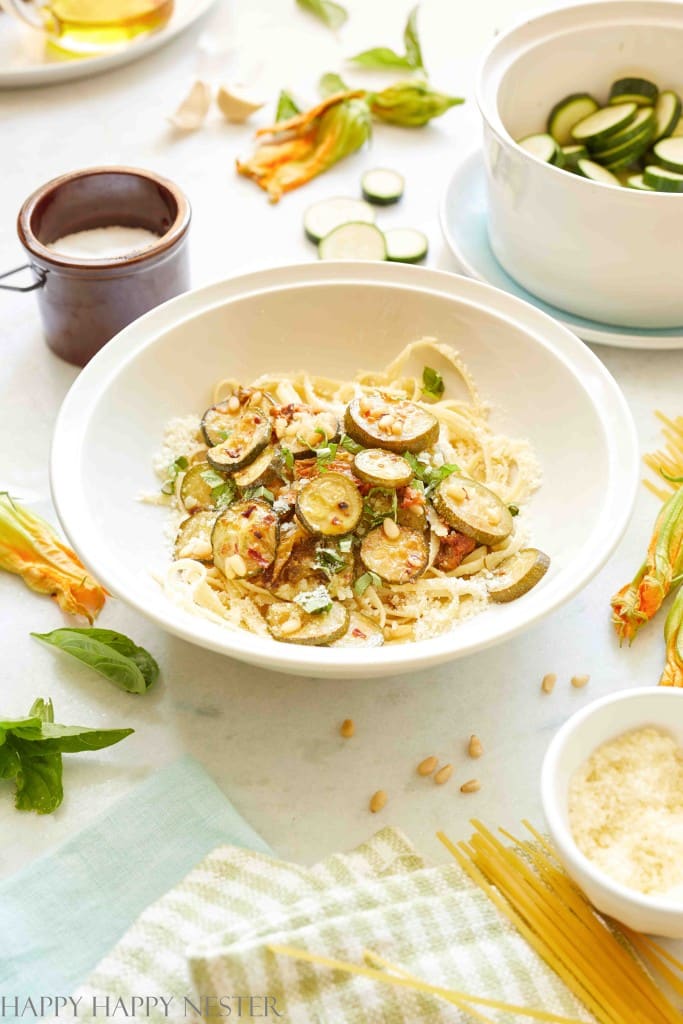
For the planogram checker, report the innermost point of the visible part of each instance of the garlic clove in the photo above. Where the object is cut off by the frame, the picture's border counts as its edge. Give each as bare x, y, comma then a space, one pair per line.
236, 104
192, 112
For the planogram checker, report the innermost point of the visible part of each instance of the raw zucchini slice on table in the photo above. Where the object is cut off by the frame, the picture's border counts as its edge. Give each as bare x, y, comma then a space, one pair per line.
361, 632
603, 123
194, 537
567, 113
406, 245
382, 469
595, 172
642, 126
542, 146
329, 505
397, 425
353, 241
516, 575
662, 179
382, 186
398, 559
636, 181
328, 214
633, 90
669, 154
196, 491
667, 113
246, 439
473, 509
245, 538
290, 624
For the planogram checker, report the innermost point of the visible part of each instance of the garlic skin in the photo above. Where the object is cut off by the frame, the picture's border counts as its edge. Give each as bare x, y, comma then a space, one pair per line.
193, 110
236, 104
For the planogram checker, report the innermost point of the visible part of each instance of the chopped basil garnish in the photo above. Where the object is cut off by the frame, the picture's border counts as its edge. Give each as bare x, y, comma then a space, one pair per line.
513, 510
349, 445
346, 544
329, 561
368, 579
259, 492
432, 383
287, 456
315, 602
176, 467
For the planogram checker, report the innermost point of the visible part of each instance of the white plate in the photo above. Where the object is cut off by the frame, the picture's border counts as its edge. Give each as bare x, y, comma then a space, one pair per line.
25, 61
335, 318
463, 221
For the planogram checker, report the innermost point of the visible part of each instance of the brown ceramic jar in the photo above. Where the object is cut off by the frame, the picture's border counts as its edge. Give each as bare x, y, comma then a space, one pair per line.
85, 302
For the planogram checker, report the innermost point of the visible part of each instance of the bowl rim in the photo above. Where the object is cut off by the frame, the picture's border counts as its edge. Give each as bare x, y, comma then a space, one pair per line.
561, 833
612, 411
489, 110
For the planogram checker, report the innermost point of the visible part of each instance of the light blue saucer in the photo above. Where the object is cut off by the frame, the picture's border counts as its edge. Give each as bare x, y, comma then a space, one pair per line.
463, 221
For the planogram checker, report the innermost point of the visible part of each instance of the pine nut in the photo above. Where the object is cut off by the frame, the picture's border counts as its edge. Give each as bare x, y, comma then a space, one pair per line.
494, 517
548, 682
443, 774
457, 493
378, 800
427, 766
365, 406
579, 681
397, 428
237, 564
256, 397
290, 625
475, 749
391, 530
233, 404
347, 728
386, 422
471, 786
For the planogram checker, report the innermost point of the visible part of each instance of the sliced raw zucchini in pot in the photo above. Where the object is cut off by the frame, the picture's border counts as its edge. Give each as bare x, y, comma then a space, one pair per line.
542, 146
406, 245
219, 420
361, 632
473, 510
669, 154
641, 127
571, 156
397, 559
377, 421
247, 439
245, 538
301, 429
262, 471
663, 180
636, 181
327, 214
382, 469
595, 172
567, 113
329, 505
353, 241
603, 123
197, 486
194, 537
382, 186
667, 113
518, 574
633, 90
290, 624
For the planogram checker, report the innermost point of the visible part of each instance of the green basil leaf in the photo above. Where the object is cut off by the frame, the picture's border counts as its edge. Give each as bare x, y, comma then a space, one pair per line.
331, 83
513, 510
39, 778
287, 456
412, 41
9, 762
379, 58
432, 383
315, 602
333, 14
259, 492
368, 579
349, 445
112, 654
73, 739
286, 106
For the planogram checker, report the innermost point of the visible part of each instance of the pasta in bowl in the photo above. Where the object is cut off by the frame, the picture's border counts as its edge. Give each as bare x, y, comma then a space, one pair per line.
348, 513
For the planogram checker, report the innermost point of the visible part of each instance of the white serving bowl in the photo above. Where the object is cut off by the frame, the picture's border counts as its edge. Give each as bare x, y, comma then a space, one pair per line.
579, 737
609, 254
336, 319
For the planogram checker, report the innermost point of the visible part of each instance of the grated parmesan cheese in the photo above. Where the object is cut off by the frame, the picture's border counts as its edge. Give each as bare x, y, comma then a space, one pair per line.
626, 811
182, 436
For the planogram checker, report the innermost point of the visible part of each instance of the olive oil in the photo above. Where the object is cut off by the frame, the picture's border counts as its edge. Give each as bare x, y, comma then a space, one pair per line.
92, 26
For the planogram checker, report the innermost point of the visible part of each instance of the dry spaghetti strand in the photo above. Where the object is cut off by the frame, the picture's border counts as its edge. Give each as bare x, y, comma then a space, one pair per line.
669, 459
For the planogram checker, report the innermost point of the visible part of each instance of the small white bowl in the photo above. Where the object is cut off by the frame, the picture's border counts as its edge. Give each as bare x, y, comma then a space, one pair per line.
606, 253
335, 318
601, 721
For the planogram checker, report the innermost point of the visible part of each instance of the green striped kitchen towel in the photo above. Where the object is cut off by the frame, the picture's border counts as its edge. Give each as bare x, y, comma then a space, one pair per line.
204, 946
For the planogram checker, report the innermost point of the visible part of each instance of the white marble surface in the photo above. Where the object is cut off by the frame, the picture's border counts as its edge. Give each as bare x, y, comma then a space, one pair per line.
271, 741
